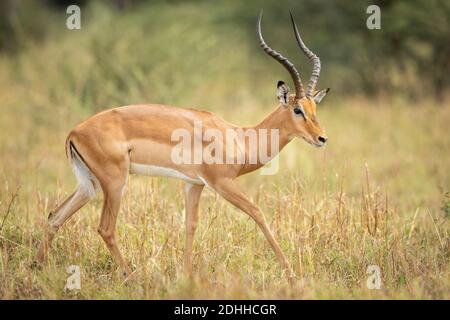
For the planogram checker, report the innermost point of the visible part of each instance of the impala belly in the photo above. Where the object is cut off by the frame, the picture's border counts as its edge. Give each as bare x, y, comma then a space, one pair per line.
156, 171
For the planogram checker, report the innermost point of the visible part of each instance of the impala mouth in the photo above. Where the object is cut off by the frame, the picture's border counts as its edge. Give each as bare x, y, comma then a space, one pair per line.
314, 143
319, 144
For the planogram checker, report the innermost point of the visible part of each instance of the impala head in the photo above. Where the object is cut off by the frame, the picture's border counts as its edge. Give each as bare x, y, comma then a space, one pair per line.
299, 108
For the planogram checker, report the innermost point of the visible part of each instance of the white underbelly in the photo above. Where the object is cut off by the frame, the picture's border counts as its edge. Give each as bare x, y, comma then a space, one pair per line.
156, 171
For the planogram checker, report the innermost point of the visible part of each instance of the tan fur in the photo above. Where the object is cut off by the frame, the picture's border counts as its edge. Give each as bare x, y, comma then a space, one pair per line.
109, 141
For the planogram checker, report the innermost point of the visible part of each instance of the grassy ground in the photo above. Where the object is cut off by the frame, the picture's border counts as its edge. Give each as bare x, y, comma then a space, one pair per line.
376, 195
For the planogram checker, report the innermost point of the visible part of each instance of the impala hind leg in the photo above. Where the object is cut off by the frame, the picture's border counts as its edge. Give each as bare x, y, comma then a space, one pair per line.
111, 204
231, 192
60, 215
192, 199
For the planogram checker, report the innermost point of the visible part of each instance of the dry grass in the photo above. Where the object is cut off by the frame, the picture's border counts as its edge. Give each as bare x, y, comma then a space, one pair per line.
376, 195
332, 217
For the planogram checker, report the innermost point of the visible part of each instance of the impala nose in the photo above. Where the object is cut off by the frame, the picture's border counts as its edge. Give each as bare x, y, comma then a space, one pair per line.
323, 139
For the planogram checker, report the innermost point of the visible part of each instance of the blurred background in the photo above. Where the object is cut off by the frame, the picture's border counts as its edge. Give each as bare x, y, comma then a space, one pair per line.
408, 56
386, 117
206, 55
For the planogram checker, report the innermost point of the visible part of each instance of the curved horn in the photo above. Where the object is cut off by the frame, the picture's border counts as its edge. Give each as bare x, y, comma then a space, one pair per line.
311, 56
299, 92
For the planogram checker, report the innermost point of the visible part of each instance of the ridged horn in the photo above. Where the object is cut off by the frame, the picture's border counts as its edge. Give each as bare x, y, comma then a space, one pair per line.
299, 92
311, 56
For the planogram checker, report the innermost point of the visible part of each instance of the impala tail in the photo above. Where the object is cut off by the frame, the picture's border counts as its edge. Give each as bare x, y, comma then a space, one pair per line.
86, 179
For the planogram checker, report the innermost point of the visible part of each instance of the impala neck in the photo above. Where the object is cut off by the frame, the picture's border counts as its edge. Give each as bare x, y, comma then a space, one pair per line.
275, 120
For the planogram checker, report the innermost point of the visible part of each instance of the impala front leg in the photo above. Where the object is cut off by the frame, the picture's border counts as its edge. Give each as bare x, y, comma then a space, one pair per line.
228, 189
192, 198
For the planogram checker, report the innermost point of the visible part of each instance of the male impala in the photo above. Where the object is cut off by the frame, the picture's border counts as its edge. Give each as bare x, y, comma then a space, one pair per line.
107, 147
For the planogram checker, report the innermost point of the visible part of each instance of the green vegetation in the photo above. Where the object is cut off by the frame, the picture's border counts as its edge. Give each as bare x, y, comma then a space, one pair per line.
376, 195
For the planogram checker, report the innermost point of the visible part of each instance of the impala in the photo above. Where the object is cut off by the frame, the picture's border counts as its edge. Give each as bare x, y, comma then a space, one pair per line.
110, 145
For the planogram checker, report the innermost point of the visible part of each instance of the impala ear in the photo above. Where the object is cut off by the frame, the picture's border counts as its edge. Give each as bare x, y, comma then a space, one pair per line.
319, 95
283, 93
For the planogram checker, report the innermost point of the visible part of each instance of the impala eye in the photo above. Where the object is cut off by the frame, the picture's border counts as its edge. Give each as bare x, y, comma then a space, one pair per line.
299, 112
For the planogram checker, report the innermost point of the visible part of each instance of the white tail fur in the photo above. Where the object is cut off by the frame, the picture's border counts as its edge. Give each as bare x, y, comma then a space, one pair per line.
86, 180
